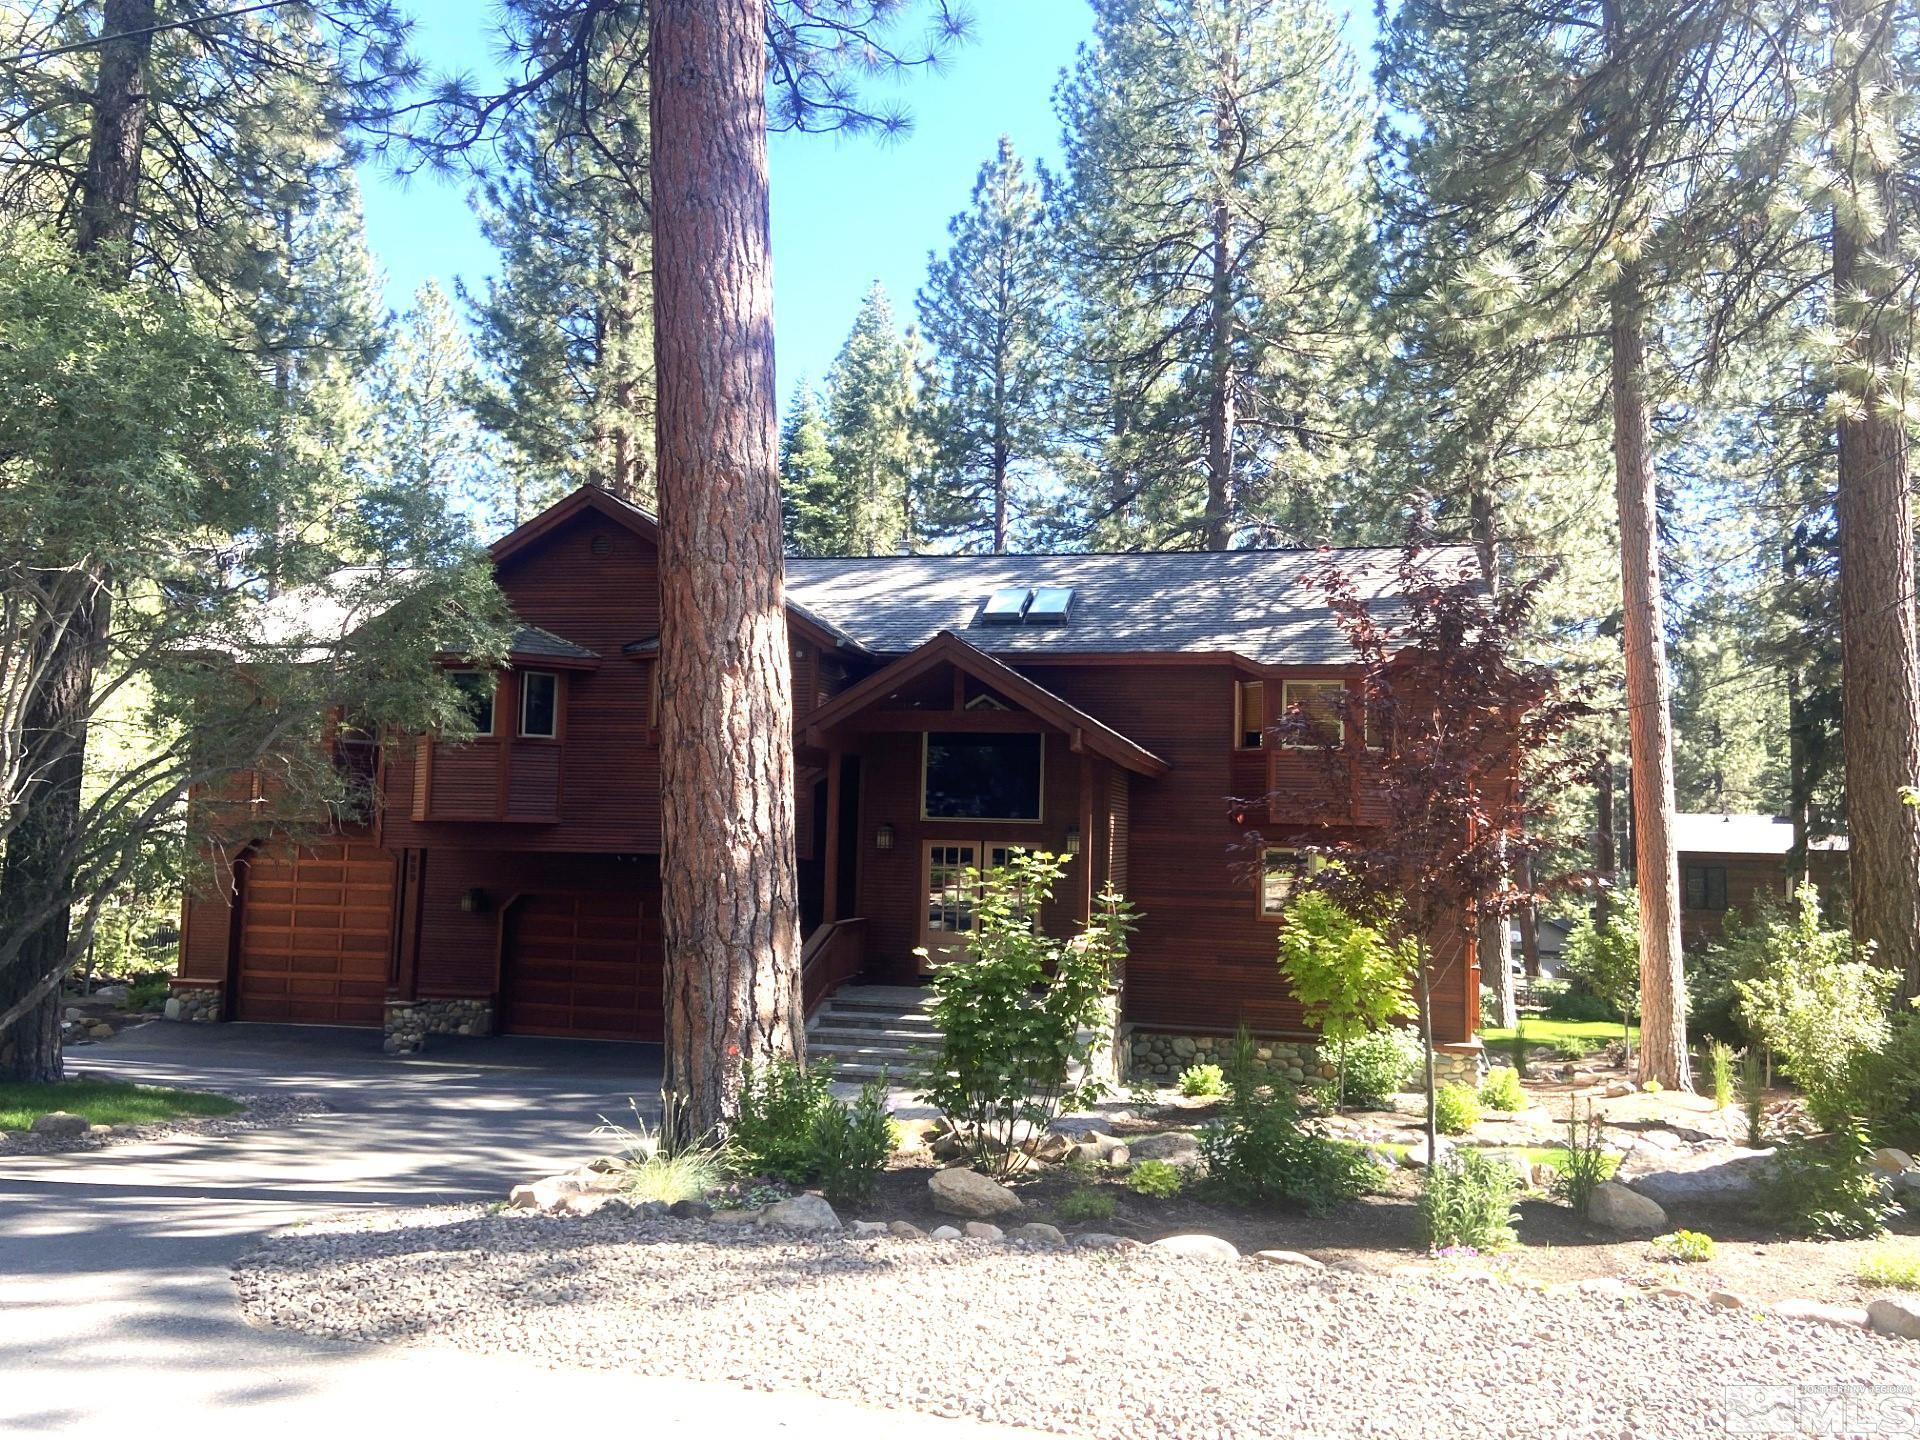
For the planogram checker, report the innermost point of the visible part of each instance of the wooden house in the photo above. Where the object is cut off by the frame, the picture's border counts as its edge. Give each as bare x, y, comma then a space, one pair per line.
1115, 708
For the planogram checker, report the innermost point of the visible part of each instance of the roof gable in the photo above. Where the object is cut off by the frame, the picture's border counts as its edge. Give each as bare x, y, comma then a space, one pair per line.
587, 500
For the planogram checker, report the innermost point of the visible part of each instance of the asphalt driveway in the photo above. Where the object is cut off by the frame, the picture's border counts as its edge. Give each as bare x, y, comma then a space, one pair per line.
116, 1304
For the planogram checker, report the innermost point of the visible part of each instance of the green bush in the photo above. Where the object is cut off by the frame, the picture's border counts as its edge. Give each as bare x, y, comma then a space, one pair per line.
851, 1144
1820, 1009
1079, 1207
1825, 1187
1586, 1165
148, 993
1684, 1247
1894, 1266
1380, 1065
1468, 1199
773, 1134
1023, 1015
1350, 978
1720, 1064
1519, 1049
1456, 1109
1605, 959
657, 1166
1261, 1151
1574, 1003
1571, 1047
1201, 1081
1156, 1178
1501, 1090
1888, 1084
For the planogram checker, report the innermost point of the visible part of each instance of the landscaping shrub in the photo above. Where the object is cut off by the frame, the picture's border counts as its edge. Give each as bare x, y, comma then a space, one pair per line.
1468, 1199
1753, 1096
1684, 1247
1565, 1001
1261, 1151
1586, 1165
150, 992
1825, 1187
1818, 1008
1720, 1066
657, 1167
1456, 1109
1380, 1065
851, 1144
1156, 1178
1023, 1015
1888, 1085
1501, 1090
1351, 980
1518, 1048
1078, 1207
1201, 1081
773, 1135
1571, 1048
1895, 1266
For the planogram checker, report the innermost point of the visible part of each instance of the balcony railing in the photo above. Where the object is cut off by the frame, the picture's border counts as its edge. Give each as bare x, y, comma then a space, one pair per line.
488, 781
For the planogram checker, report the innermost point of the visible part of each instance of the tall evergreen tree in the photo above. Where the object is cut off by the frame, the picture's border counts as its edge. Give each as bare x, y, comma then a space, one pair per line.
989, 310
1215, 227
874, 434
810, 492
567, 323
428, 439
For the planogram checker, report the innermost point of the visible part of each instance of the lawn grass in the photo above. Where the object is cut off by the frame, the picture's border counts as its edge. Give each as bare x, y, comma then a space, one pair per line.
1892, 1263
106, 1102
1592, 1035
1554, 1155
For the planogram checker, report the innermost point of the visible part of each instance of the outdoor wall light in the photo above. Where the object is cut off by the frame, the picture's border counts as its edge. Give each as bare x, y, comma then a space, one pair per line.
473, 901
1073, 840
883, 838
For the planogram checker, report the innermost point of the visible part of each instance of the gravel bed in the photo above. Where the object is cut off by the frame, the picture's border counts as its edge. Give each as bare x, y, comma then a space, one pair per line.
1131, 1344
263, 1112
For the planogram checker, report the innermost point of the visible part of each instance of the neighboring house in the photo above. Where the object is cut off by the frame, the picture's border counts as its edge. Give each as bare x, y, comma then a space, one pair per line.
946, 708
1727, 861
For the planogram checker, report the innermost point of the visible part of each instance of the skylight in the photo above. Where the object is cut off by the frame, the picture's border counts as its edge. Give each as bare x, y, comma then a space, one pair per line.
1005, 606
1050, 605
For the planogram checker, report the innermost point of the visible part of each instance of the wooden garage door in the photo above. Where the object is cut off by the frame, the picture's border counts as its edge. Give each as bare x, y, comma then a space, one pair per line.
316, 933
580, 965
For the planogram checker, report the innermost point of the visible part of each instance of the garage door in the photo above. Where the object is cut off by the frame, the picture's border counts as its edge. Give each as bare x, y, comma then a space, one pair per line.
580, 965
316, 933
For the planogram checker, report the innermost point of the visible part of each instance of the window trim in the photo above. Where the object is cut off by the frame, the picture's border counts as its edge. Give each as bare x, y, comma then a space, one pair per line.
1340, 717
526, 690
926, 744
1241, 686
1707, 870
493, 700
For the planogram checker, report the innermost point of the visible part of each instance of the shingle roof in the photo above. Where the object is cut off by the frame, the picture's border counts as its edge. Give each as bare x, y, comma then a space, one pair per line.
1250, 603
532, 640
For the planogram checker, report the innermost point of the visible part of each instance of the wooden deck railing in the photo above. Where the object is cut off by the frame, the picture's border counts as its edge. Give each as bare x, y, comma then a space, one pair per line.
833, 955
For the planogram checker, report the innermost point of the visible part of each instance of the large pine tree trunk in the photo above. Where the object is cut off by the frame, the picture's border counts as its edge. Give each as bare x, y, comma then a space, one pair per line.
1663, 991
1879, 664
1218, 531
39, 859
729, 904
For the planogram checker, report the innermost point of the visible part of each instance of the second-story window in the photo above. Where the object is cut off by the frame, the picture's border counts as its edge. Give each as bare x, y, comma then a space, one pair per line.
476, 698
539, 704
1315, 711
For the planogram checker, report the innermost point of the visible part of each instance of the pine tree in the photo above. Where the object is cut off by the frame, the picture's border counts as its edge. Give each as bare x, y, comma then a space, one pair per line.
428, 440
989, 311
874, 435
810, 491
1215, 227
567, 323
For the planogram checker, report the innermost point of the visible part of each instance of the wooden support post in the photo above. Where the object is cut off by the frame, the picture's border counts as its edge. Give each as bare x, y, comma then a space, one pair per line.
830, 900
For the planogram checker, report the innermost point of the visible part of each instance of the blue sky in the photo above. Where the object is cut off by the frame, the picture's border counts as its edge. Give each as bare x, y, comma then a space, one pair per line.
846, 212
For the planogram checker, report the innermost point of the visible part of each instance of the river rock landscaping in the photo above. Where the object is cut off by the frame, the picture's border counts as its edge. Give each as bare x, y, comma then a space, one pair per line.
1107, 1339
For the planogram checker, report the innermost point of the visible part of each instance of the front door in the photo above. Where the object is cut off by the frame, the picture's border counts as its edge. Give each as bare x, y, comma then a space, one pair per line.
952, 875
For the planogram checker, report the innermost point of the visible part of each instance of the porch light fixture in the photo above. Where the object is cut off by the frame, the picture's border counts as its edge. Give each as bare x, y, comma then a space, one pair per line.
1073, 840
473, 901
883, 838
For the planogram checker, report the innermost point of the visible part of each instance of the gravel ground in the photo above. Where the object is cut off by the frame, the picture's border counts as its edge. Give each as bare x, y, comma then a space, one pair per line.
262, 1112
1127, 1344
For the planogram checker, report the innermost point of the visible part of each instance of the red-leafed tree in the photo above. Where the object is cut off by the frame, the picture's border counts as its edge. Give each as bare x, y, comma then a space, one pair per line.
1472, 748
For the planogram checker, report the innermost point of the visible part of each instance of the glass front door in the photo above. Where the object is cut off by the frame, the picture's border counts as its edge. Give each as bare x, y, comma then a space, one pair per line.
952, 871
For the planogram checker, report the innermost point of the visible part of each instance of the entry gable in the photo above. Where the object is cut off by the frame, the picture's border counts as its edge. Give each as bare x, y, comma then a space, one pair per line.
948, 649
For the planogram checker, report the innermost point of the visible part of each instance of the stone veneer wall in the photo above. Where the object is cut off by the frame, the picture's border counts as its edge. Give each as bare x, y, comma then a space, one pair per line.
1156, 1056
199, 1005
409, 1022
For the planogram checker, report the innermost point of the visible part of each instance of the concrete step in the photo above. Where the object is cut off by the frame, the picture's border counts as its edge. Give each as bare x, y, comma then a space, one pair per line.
831, 1032
872, 1020
856, 1050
